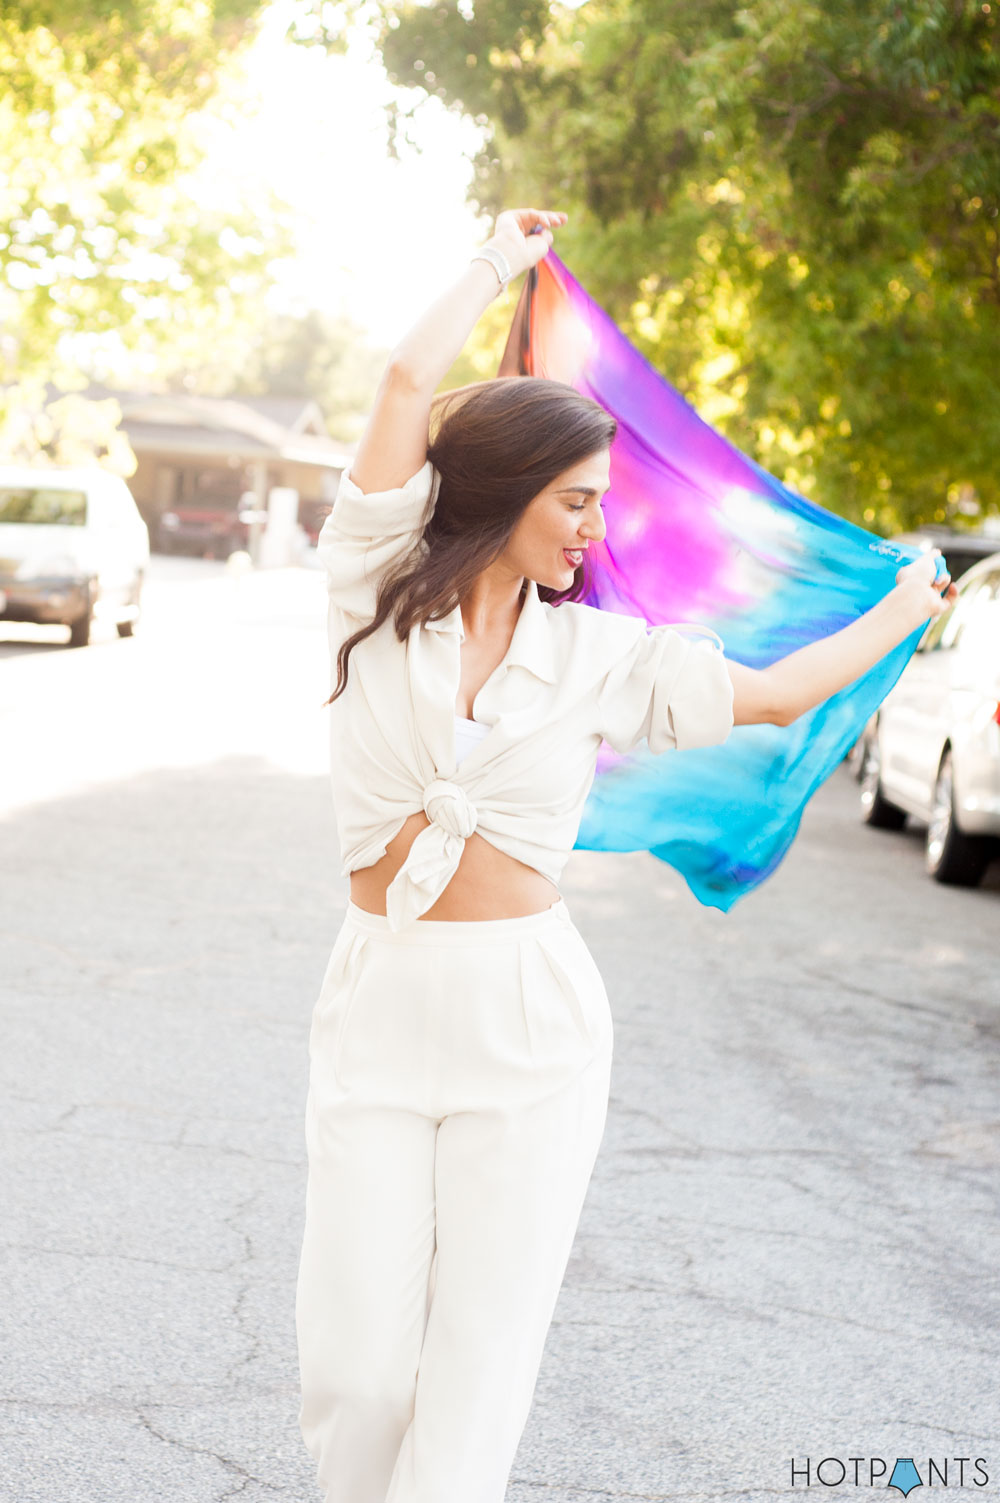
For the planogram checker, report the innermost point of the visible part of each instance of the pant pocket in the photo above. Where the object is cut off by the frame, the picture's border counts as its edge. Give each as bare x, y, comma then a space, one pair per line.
580, 981
337, 996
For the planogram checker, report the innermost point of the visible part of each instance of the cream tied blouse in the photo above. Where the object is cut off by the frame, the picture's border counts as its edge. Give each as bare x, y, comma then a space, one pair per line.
572, 675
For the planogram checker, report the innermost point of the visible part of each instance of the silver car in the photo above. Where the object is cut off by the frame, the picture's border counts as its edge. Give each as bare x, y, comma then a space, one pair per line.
73, 548
933, 750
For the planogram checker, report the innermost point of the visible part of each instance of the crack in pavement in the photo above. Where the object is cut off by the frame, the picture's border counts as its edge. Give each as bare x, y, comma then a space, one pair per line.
908, 1424
227, 1462
613, 1492
101, 1255
249, 1334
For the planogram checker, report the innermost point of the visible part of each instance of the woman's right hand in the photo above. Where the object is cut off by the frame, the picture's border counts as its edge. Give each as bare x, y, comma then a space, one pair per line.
511, 235
393, 446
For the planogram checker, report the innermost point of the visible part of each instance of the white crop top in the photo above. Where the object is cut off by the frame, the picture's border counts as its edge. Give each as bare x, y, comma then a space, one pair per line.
468, 733
572, 675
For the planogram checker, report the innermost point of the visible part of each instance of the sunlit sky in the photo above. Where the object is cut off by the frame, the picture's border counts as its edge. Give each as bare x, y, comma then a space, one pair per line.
377, 238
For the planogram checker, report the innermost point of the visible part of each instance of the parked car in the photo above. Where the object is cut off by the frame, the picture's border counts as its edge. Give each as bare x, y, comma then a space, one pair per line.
208, 531
961, 550
73, 548
933, 749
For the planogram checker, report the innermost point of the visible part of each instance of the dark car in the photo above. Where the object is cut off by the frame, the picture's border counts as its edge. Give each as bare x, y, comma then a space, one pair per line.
216, 530
961, 549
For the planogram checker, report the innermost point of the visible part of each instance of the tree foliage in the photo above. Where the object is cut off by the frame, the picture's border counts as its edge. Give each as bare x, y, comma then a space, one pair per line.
792, 211
38, 428
98, 233
307, 353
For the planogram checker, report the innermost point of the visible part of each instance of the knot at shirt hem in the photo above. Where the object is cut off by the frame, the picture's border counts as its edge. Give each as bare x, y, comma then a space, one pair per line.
449, 806
432, 862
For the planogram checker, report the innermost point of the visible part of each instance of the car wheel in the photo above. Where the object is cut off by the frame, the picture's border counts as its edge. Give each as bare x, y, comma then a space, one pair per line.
855, 758
127, 628
79, 631
952, 857
875, 807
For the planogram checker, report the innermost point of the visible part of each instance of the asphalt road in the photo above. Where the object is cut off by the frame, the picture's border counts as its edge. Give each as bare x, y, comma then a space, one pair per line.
790, 1245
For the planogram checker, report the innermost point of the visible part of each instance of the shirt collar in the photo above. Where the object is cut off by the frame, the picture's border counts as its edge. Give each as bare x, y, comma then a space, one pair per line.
530, 646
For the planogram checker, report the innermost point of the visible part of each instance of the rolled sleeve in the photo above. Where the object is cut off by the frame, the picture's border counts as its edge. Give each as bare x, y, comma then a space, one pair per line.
366, 532
670, 691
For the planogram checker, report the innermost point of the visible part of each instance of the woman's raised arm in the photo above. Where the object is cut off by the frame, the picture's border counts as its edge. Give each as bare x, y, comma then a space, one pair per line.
779, 694
394, 444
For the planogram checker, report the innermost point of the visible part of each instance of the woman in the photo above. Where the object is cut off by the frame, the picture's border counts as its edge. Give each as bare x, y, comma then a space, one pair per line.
461, 1043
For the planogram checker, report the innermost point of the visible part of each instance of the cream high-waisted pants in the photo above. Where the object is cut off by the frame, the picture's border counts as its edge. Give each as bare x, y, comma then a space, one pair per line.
458, 1092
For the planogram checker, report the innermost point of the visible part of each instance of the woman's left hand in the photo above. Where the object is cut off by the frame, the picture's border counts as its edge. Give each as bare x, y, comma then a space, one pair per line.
785, 689
922, 591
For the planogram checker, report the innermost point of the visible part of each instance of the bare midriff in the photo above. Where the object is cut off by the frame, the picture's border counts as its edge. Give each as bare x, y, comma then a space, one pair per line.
488, 883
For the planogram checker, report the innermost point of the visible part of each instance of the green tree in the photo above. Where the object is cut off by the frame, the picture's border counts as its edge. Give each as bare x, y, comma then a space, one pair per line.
792, 210
294, 354
38, 428
98, 233
326, 358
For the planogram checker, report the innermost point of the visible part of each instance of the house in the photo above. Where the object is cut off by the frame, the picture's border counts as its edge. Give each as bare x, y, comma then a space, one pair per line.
200, 457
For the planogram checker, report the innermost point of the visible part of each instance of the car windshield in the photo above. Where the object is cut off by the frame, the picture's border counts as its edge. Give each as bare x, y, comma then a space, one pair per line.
40, 504
974, 615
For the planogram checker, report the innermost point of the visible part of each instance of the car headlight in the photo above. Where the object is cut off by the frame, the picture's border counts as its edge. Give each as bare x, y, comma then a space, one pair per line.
50, 566
170, 519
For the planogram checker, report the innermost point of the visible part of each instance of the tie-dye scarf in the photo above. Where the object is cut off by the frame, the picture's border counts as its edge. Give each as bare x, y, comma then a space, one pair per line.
698, 532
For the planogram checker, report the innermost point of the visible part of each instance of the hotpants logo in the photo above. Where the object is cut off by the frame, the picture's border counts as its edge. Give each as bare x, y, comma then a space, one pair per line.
832, 1471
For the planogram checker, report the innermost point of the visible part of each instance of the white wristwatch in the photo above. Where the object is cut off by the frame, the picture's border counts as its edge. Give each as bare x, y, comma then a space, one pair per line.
497, 260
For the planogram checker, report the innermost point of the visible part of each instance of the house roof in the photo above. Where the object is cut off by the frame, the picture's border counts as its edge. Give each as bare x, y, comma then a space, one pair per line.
299, 414
244, 428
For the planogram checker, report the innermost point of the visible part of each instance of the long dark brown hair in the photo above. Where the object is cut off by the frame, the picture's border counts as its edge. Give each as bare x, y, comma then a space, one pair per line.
496, 445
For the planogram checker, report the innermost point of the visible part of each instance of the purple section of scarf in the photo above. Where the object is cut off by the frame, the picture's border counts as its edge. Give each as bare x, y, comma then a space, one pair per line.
698, 532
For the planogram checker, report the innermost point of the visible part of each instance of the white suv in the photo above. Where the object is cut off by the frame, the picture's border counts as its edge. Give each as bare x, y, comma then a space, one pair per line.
73, 548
